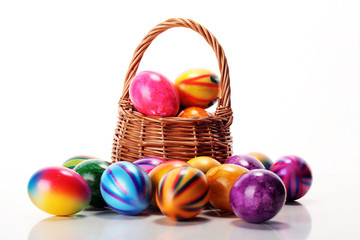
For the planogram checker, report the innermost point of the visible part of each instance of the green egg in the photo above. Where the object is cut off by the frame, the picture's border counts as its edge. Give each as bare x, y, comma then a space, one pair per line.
91, 171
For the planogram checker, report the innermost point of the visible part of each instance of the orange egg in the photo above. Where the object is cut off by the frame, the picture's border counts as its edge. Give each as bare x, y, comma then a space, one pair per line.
193, 112
159, 171
221, 179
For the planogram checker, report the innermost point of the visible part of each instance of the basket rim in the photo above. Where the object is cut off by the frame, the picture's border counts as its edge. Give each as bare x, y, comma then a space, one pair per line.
131, 112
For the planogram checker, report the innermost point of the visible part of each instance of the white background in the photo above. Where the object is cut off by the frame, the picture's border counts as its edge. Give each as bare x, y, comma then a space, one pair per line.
294, 71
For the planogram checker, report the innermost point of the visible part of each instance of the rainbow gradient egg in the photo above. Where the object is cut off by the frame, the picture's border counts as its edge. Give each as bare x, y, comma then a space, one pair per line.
59, 191
198, 87
182, 193
148, 163
126, 188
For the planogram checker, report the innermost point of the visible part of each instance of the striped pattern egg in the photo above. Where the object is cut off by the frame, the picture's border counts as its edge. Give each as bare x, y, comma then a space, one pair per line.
148, 163
73, 161
198, 87
182, 193
159, 171
126, 188
296, 175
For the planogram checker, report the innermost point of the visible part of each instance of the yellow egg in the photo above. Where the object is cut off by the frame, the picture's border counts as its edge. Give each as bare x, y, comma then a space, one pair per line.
198, 87
203, 163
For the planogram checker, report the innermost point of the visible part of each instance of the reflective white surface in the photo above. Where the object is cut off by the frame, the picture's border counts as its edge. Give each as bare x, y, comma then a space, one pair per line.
294, 222
329, 211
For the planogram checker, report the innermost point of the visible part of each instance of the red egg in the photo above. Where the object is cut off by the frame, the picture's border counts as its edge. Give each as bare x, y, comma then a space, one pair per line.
154, 95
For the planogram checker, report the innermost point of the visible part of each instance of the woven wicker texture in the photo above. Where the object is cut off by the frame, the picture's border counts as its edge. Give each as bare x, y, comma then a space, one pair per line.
174, 138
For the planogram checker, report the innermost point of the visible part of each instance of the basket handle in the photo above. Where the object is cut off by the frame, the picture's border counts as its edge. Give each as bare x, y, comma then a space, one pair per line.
224, 104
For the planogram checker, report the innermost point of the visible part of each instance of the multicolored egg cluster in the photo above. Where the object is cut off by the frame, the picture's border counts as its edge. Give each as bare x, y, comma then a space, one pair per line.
181, 190
152, 94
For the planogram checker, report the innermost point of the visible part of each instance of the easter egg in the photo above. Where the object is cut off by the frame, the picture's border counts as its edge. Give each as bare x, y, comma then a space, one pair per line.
148, 163
257, 196
296, 174
246, 161
91, 171
182, 193
203, 163
265, 160
159, 171
126, 188
154, 95
198, 87
193, 112
59, 191
221, 179
73, 161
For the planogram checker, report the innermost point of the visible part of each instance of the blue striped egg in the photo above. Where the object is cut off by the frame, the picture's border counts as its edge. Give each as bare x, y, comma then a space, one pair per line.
126, 188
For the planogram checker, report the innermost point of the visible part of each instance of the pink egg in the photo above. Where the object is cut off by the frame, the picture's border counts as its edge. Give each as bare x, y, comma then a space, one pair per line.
154, 95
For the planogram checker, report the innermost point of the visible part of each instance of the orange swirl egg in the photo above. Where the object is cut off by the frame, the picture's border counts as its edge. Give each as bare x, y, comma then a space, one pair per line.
159, 171
182, 193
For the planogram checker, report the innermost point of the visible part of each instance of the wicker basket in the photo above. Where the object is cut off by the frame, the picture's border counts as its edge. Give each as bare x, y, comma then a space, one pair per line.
174, 138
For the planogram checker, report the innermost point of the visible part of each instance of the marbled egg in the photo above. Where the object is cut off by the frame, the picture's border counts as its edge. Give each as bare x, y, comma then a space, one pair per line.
154, 95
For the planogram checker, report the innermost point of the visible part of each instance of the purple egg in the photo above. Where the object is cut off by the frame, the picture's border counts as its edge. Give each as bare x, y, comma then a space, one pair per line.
257, 196
246, 161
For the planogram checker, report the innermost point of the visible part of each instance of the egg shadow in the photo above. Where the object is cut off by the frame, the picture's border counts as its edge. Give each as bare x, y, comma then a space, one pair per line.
65, 218
293, 203
265, 226
118, 216
218, 213
153, 211
96, 209
165, 221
